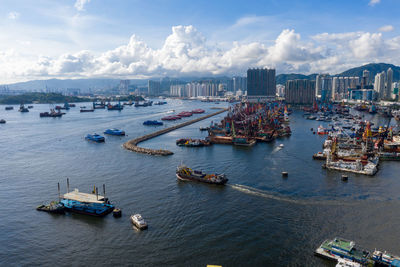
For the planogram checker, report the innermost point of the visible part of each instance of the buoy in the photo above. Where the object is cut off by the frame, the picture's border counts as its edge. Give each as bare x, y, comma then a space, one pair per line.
117, 212
285, 174
344, 177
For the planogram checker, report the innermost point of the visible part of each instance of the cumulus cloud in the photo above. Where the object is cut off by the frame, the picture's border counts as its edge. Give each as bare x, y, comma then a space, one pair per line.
374, 2
386, 28
80, 4
186, 52
13, 15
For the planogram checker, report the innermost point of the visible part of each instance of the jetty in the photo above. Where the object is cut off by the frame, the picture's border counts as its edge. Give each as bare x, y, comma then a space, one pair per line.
133, 144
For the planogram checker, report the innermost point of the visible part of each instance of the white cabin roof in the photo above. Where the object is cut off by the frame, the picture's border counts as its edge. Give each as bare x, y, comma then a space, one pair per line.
83, 197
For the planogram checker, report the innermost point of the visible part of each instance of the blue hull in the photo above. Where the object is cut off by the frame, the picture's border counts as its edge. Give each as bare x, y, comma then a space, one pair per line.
93, 209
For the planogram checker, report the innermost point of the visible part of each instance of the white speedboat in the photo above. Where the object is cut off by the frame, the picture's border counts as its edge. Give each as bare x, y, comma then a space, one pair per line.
281, 146
347, 263
138, 221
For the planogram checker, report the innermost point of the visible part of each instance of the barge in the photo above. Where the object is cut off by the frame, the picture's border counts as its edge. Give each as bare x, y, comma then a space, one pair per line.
185, 173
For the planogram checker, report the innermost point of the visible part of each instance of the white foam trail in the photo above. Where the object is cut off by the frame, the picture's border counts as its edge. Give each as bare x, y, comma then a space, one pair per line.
260, 193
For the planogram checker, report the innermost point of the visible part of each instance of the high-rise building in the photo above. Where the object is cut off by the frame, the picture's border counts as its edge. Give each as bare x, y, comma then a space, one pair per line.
322, 83
154, 88
379, 84
124, 86
389, 84
261, 82
300, 92
239, 83
365, 79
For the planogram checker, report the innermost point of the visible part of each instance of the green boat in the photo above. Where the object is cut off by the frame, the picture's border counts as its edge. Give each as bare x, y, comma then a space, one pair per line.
342, 248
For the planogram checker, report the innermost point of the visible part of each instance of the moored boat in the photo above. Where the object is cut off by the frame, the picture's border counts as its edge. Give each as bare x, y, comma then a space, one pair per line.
185, 173
53, 207
192, 142
138, 221
198, 111
52, 114
149, 122
385, 258
9, 108
114, 132
95, 137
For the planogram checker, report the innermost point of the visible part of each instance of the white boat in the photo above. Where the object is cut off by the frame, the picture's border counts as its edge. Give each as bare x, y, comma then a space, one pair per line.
347, 263
281, 146
138, 221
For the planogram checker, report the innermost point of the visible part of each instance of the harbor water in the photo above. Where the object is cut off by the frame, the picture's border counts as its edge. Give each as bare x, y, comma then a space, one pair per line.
257, 219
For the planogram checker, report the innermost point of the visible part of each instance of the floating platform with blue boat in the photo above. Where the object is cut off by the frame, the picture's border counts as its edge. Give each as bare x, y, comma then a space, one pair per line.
87, 203
95, 138
153, 123
114, 132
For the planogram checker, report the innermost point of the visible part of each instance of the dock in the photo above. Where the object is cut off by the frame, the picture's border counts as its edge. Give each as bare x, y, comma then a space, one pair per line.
133, 144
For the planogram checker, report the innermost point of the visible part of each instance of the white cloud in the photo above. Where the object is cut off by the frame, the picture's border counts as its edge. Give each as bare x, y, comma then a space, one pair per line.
386, 28
80, 4
374, 2
186, 52
13, 15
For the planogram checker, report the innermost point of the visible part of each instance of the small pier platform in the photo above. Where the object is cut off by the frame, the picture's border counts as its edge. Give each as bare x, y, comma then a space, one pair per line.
133, 144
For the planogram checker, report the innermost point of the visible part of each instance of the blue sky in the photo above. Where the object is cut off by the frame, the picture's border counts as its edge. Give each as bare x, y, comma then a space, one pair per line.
138, 39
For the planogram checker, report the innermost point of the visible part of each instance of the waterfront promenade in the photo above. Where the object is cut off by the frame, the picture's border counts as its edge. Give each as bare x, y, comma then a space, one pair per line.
133, 144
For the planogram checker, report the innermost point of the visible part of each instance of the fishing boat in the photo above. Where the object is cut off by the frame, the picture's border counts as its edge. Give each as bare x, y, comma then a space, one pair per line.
114, 132
143, 104
185, 114
87, 203
347, 263
192, 142
204, 128
100, 105
53, 207
385, 258
66, 106
321, 130
52, 114
138, 221
95, 138
84, 109
130, 103
170, 118
22, 108
115, 107
185, 173
2, 121
243, 141
9, 108
153, 123
198, 111
342, 248
160, 103
30, 106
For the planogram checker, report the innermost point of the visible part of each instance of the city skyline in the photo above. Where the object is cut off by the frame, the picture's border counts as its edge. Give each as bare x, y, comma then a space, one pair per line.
131, 39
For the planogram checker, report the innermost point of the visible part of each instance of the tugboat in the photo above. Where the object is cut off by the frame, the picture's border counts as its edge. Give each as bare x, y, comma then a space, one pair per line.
138, 221
153, 123
53, 207
192, 142
114, 132
95, 137
184, 173
22, 108
342, 248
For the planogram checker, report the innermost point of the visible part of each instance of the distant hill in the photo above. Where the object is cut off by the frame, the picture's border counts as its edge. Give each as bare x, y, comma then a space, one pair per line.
41, 98
373, 68
282, 78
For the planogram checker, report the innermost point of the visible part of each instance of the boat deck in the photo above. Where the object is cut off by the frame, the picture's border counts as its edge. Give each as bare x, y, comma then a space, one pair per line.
84, 197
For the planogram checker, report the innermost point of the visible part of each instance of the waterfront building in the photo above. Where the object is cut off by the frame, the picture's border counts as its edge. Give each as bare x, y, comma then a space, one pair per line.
261, 83
300, 92
239, 83
154, 88
363, 94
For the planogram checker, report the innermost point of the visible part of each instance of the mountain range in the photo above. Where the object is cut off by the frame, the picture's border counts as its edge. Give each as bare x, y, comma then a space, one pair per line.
85, 84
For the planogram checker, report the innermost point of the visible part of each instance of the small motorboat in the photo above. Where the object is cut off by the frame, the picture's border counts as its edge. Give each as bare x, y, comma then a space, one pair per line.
84, 109
9, 108
53, 207
114, 132
138, 221
95, 138
2, 121
204, 128
153, 123
281, 146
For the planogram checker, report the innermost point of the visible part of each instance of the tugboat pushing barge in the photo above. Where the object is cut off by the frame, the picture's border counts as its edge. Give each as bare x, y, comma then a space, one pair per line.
185, 173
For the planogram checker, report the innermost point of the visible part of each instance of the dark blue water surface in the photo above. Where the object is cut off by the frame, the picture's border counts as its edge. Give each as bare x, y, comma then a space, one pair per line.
257, 219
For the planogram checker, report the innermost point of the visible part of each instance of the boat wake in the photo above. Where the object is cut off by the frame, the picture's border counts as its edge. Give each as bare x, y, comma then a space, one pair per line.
261, 193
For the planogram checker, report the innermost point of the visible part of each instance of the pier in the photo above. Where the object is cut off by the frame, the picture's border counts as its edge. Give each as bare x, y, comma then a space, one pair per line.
133, 144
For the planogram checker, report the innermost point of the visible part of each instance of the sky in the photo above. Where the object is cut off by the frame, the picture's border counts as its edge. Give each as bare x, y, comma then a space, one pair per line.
129, 39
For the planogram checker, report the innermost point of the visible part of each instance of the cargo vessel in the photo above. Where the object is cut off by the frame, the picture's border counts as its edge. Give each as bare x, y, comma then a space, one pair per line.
185, 173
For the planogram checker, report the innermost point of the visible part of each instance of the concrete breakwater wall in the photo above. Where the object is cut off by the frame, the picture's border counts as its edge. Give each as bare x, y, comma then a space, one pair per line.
133, 144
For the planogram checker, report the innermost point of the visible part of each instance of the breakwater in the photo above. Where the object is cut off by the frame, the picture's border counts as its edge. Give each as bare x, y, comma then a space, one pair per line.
133, 144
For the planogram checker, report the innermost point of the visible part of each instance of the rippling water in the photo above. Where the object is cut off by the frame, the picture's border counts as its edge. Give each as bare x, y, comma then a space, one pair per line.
258, 219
